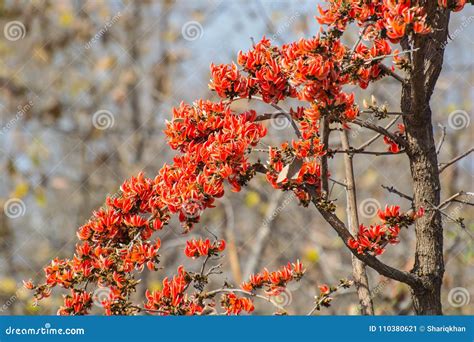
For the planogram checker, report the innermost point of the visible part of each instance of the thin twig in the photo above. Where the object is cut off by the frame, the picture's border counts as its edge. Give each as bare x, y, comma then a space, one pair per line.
391, 73
390, 55
378, 135
441, 141
337, 182
444, 166
357, 151
388, 113
454, 197
214, 292
395, 191
284, 112
399, 140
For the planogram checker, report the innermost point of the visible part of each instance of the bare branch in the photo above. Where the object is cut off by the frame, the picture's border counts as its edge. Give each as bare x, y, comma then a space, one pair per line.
378, 135
357, 151
358, 267
454, 198
281, 112
391, 73
388, 113
444, 166
395, 191
251, 294
441, 141
399, 140
324, 129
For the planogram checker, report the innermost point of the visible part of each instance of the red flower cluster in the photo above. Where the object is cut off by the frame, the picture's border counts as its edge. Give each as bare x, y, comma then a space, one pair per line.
265, 72
235, 305
274, 282
375, 237
172, 300
387, 18
391, 215
392, 145
288, 170
454, 5
228, 82
197, 248
324, 289
214, 140
77, 303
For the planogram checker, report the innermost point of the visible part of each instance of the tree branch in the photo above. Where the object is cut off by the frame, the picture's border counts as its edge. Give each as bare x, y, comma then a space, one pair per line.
441, 141
251, 294
454, 197
395, 191
358, 267
383, 269
353, 151
399, 140
378, 135
325, 131
444, 166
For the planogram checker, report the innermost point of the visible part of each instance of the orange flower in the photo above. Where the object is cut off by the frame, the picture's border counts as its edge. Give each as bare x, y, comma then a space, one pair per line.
324, 289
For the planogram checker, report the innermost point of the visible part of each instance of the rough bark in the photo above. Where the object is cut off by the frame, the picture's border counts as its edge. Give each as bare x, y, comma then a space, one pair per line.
421, 150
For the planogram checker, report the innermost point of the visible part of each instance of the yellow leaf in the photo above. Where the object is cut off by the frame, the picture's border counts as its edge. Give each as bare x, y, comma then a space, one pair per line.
312, 255
21, 190
105, 63
40, 197
154, 285
65, 19
8, 285
252, 199
32, 308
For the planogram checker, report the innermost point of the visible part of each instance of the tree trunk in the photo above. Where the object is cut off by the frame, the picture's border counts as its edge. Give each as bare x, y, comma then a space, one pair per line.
416, 93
